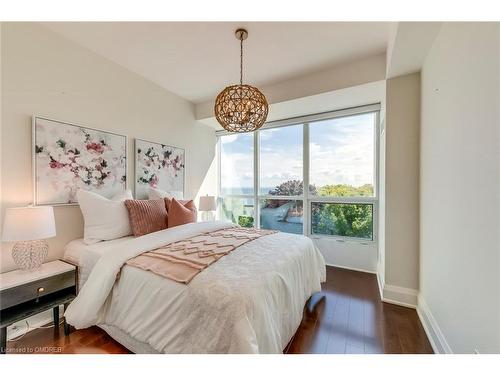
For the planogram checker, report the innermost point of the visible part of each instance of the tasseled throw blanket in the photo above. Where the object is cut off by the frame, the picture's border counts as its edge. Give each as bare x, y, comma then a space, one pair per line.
183, 260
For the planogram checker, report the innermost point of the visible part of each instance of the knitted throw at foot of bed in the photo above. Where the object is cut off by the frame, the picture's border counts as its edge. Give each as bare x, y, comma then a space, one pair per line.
182, 260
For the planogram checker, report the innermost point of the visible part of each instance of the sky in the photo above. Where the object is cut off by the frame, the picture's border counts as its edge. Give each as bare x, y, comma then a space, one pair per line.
341, 152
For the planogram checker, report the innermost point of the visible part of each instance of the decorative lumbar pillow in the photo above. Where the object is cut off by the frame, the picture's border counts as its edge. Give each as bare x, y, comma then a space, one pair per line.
180, 212
104, 219
160, 194
147, 216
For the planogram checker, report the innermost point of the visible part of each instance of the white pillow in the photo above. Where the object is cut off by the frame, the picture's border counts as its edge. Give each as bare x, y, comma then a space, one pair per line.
160, 194
105, 219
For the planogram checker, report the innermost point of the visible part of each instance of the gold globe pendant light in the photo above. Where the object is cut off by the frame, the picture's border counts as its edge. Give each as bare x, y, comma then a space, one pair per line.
241, 108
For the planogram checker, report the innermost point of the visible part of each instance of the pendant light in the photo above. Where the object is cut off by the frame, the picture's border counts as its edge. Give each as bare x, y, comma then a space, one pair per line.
241, 108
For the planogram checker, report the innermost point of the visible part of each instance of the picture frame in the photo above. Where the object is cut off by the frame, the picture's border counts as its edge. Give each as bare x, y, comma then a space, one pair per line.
68, 156
160, 166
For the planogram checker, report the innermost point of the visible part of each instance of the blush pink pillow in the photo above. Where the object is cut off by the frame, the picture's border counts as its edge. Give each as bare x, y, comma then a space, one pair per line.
146, 216
180, 212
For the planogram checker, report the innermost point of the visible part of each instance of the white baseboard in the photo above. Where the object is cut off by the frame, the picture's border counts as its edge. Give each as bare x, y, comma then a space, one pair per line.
398, 295
432, 330
395, 295
412, 298
351, 268
399, 303
380, 283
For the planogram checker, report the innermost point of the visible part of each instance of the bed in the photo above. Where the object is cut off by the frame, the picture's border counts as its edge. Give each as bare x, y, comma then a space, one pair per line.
85, 256
249, 301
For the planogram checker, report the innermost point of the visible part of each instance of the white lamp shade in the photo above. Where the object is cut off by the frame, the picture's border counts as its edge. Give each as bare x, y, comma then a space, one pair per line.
28, 223
207, 203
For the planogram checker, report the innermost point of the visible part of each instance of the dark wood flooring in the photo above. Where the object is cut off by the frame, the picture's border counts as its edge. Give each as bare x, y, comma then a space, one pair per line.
346, 317
349, 317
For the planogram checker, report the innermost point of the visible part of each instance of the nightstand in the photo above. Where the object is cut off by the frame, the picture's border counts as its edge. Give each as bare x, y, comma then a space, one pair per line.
24, 294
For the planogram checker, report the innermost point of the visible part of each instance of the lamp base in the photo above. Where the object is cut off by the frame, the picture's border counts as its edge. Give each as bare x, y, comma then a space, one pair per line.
29, 255
207, 216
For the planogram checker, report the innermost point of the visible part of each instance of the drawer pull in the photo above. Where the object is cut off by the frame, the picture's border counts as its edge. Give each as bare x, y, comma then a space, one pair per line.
38, 291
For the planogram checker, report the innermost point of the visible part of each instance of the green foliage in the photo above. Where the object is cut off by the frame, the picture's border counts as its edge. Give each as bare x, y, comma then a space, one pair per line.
341, 190
245, 221
351, 220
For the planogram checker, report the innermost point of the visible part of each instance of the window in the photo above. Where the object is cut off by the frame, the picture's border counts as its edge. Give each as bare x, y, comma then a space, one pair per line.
284, 215
339, 162
236, 160
280, 175
238, 210
342, 164
342, 219
237, 179
281, 155
342, 156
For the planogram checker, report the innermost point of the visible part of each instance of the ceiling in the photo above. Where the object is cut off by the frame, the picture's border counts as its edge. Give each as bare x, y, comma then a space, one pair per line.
196, 60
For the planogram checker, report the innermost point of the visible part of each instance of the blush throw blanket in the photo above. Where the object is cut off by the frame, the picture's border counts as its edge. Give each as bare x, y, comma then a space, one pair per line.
182, 260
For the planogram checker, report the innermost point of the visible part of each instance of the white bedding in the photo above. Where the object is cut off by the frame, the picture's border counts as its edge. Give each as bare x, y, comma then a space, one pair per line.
85, 256
250, 301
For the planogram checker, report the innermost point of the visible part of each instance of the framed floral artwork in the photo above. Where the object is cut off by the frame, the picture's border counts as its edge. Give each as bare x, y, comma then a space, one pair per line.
158, 166
68, 157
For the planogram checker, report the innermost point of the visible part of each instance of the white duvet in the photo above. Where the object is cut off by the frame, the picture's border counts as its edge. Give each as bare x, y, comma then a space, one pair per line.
249, 301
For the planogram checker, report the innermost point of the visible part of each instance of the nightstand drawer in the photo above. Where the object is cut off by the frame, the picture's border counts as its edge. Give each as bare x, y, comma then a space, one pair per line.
30, 291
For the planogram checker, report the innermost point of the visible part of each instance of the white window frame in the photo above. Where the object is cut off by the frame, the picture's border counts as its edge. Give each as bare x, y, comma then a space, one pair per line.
308, 200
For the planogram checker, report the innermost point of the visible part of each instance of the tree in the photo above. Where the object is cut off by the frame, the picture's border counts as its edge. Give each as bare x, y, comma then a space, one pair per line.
289, 188
351, 220
292, 187
342, 190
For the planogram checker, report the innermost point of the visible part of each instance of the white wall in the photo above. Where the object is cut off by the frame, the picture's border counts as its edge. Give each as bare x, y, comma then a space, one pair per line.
351, 254
408, 45
44, 73
400, 182
460, 189
354, 73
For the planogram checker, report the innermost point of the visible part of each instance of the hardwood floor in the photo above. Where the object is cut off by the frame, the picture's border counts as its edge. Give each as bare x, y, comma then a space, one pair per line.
346, 317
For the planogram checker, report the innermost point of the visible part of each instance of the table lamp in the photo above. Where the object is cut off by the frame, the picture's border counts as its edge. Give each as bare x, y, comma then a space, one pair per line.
207, 206
29, 227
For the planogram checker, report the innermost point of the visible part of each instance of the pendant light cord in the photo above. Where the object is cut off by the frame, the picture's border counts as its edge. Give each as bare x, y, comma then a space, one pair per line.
241, 59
